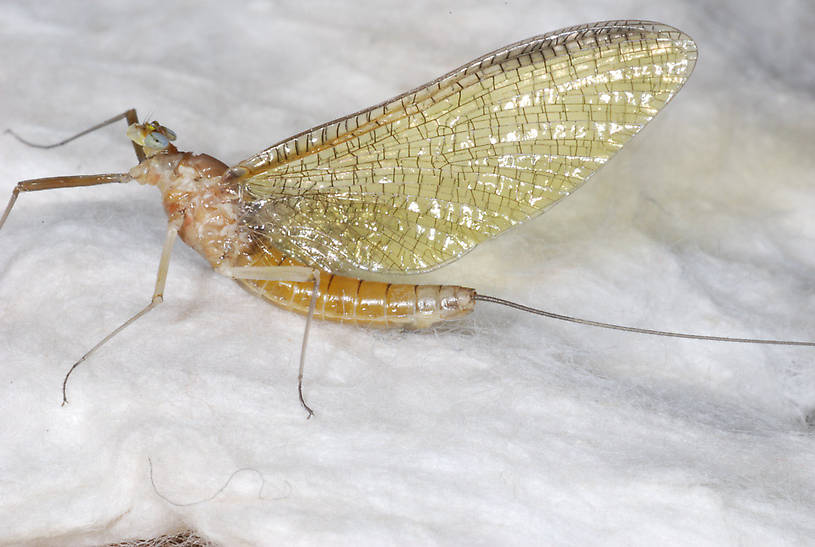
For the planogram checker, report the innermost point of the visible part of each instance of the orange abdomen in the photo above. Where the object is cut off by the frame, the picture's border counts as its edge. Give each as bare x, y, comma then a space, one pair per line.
366, 303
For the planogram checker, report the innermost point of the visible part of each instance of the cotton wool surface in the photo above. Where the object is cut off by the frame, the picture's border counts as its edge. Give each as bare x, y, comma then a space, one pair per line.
503, 428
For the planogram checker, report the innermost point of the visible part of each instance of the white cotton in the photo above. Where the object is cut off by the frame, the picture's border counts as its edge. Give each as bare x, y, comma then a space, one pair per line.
502, 429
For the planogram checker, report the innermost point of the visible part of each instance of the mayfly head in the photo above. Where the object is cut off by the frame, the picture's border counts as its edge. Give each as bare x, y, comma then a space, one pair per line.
153, 137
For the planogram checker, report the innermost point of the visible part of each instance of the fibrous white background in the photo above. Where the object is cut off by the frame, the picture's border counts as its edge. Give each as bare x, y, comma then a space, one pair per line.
501, 429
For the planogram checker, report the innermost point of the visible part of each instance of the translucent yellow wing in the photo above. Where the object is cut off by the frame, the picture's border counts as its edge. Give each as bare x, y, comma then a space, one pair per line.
419, 180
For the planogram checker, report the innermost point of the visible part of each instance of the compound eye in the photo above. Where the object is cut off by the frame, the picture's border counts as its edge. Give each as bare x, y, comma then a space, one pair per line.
156, 140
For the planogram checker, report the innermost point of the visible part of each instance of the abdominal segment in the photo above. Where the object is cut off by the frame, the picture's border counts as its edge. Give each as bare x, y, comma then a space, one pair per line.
364, 303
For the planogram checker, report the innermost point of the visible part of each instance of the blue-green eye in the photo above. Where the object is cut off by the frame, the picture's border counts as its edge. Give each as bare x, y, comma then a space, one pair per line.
156, 140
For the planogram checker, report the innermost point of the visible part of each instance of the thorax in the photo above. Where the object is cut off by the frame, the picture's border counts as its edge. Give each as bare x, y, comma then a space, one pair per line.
196, 196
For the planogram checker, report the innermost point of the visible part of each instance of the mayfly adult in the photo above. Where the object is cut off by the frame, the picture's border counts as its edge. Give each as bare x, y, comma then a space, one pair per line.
413, 183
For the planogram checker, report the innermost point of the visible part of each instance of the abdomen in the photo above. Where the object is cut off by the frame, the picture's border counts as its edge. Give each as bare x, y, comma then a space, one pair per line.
366, 303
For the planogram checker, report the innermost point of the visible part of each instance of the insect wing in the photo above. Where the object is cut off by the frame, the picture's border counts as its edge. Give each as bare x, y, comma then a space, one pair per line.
416, 182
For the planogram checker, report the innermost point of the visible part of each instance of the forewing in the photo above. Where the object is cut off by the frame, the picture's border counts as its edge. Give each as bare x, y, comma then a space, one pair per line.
419, 180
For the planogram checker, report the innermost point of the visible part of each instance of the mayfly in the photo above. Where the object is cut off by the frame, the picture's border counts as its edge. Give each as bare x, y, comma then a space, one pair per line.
413, 183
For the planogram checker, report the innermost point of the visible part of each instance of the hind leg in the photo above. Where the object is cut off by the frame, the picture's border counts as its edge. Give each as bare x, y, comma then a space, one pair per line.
285, 273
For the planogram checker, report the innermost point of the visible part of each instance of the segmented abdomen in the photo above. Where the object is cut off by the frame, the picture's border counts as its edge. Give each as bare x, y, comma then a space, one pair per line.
367, 303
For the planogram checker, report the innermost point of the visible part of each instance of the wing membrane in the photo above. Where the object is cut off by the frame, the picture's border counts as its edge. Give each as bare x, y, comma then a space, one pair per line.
418, 181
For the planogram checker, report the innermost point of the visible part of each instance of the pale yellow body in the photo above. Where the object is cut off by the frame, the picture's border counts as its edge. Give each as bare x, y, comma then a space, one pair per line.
360, 302
416, 182
205, 206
